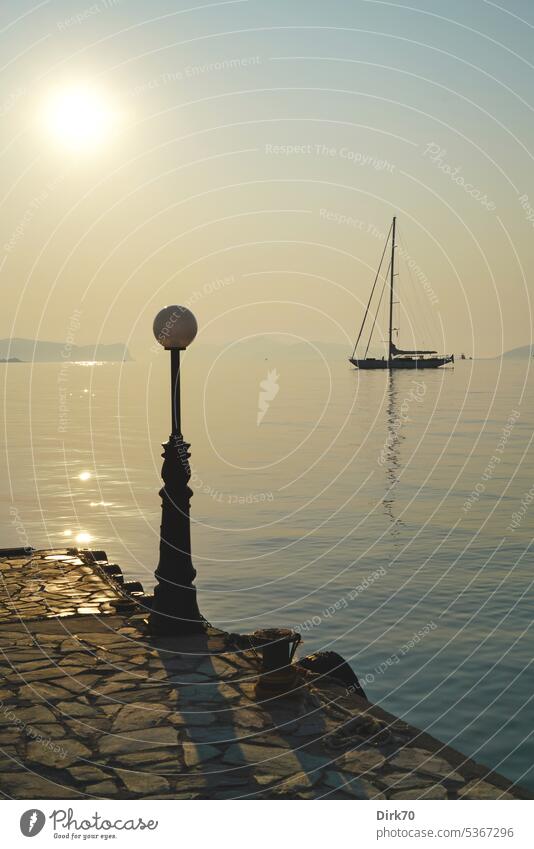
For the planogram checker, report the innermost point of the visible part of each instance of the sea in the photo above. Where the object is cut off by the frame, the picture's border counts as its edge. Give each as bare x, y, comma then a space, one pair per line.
387, 517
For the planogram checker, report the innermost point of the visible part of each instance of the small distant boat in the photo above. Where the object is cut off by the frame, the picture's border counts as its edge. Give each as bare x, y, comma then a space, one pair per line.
396, 357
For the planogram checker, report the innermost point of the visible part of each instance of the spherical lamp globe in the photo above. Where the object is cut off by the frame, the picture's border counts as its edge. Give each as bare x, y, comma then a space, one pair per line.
175, 327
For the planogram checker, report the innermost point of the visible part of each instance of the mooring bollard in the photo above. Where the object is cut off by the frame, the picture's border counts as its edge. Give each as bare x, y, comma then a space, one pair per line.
278, 676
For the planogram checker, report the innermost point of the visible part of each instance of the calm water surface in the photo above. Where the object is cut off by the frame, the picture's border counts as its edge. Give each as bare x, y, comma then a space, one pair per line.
348, 512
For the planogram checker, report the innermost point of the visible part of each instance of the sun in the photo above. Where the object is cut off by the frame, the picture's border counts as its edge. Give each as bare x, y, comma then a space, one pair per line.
80, 117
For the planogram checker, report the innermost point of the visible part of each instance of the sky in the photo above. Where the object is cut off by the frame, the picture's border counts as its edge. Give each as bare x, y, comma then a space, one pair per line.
245, 158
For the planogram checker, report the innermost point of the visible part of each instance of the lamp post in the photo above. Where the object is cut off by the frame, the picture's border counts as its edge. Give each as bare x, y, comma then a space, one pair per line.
175, 609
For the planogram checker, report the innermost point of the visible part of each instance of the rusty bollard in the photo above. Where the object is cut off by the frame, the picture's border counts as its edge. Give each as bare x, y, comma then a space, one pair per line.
278, 675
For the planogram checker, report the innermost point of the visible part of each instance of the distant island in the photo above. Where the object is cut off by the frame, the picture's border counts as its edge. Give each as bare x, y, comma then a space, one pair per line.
37, 351
524, 352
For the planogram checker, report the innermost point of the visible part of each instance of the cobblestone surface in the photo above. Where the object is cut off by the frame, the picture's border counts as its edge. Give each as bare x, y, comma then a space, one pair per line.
92, 706
51, 584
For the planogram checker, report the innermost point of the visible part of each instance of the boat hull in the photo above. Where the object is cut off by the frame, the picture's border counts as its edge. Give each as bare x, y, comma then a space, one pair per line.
402, 362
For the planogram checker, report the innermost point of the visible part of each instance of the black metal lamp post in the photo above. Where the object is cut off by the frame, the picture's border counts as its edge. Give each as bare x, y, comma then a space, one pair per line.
175, 609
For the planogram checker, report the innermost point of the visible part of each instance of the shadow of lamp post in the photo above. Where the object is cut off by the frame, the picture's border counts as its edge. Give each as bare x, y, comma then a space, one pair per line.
175, 609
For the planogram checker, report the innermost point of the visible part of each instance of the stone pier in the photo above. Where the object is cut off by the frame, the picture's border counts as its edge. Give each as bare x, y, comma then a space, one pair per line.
92, 706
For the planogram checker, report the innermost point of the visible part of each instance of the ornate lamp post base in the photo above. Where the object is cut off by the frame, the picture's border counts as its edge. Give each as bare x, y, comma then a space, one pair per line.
175, 609
160, 625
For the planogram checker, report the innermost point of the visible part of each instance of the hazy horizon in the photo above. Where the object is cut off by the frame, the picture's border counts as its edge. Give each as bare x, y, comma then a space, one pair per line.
270, 338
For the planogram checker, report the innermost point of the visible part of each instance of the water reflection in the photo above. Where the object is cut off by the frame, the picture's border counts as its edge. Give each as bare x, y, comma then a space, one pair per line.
390, 457
83, 537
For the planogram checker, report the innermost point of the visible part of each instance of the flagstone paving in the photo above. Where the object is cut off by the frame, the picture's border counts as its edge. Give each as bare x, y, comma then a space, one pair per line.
92, 706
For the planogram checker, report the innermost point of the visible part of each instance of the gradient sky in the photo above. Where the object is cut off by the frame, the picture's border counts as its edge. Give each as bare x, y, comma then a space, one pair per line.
390, 106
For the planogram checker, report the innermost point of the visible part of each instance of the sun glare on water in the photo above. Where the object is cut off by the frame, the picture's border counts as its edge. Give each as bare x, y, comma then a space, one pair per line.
79, 117
83, 537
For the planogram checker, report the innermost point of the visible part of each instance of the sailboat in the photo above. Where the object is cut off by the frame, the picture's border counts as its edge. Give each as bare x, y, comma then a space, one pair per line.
396, 357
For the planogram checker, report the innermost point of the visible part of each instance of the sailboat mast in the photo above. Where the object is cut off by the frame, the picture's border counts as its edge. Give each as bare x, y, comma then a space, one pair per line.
391, 280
